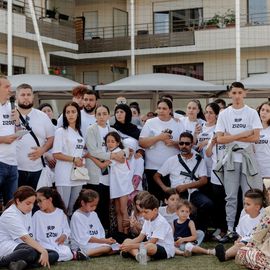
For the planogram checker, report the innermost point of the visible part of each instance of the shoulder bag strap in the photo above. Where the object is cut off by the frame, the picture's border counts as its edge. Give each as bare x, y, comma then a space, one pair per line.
33, 135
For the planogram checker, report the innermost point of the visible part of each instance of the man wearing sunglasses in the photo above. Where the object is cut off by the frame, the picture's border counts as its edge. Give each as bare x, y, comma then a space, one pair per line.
187, 182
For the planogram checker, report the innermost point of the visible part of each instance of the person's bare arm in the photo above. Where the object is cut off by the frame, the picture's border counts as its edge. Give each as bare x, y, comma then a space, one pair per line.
146, 142
157, 178
194, 184
225, 138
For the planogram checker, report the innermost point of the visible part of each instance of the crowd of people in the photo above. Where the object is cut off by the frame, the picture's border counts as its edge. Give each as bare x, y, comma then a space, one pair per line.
156, 182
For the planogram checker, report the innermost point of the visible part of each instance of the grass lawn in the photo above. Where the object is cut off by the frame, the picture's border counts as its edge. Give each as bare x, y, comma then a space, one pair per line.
194, 262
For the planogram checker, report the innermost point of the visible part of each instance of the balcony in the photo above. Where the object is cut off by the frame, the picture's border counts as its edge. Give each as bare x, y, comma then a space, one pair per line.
60, 27
105, 39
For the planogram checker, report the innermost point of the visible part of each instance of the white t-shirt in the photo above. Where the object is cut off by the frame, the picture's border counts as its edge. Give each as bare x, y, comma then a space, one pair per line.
120, 177
68, 142
159, 228
173, 167
13, 225
217, 154
47, 227
7, 127
206, 135
246, 225
86, 121
189, 126
84, 226
235, 121
158, 153
262, 152
43, 129
170, 217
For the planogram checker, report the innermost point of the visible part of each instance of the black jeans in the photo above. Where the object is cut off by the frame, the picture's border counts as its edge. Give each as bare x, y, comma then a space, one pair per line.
29, 178
153, 187
28, 254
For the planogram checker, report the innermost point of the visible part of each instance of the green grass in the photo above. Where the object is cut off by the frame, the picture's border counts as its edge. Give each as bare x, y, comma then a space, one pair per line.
194, 262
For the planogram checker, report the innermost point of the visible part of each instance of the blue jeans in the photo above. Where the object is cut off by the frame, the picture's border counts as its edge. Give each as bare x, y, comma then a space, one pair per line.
8, 181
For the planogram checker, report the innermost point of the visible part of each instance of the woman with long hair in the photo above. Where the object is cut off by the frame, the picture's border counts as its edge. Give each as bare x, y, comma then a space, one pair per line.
159, 137
262, 147
68, 151
18, 249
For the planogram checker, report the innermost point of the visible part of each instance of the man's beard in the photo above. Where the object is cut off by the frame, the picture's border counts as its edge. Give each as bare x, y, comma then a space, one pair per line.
28, 106
89, 110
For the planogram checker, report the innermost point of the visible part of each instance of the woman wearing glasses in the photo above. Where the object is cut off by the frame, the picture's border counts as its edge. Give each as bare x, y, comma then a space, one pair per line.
159, 137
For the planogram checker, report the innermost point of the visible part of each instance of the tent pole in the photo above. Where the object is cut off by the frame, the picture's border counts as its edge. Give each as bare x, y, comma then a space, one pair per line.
40, 46
9, 37
132, 37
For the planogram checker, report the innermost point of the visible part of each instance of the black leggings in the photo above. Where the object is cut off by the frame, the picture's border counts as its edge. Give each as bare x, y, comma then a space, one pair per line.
28, 254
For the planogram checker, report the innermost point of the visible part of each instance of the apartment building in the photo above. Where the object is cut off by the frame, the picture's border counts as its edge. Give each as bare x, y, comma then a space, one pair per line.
89, 40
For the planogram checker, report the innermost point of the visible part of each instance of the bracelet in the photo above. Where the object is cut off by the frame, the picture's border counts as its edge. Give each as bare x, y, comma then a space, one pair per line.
18, 125
73, 159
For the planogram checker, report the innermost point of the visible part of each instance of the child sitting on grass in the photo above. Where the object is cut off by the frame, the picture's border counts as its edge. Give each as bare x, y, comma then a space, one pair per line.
136, 219
250, 218
159, 242
87, 232
187, 239
172, 200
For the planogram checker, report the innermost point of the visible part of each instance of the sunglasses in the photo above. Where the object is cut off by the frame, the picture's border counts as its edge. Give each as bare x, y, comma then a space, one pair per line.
185, 143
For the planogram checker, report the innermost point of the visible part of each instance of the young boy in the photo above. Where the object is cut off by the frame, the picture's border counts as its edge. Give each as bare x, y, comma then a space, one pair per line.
172, 200
156, 231
238, 126
250, 218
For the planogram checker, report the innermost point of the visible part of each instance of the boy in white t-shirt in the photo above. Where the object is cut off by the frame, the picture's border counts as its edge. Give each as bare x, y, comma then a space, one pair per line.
250, 218
238, 124
159, 242
172, 200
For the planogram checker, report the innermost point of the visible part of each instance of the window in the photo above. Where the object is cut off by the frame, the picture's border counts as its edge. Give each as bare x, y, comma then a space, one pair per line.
194, 70
15, 70
177, 20
256, 66
90, 77
257, 12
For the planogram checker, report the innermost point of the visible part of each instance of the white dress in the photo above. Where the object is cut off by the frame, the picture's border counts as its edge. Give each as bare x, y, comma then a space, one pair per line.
120, 177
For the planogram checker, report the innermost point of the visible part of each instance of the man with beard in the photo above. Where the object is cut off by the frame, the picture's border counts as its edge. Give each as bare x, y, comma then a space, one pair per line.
88, 111
187, 172
9, 123
28, 153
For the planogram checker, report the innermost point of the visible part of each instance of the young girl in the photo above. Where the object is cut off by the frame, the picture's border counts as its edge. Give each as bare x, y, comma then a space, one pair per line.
195, 118
17, 248
187, 239
136, 219
87, 233
172, 200
250, 218
120, 177
50, 225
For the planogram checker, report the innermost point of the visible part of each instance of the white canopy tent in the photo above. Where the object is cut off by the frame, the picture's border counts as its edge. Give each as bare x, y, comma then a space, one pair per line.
161, 82
258, 85
43, 83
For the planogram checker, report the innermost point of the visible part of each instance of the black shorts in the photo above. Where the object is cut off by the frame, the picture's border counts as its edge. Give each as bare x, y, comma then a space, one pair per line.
160, 254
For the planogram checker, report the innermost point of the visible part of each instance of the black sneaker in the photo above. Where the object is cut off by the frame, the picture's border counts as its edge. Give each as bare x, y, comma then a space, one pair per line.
230, 236
220, 252
81, 256
19, 265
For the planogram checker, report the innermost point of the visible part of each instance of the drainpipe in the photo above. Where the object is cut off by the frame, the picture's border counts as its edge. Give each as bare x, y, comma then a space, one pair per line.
132, 37
237, 40
9, 38
40, 46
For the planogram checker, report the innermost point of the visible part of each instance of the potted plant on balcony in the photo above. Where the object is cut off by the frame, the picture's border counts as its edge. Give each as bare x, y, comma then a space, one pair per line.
222, 20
